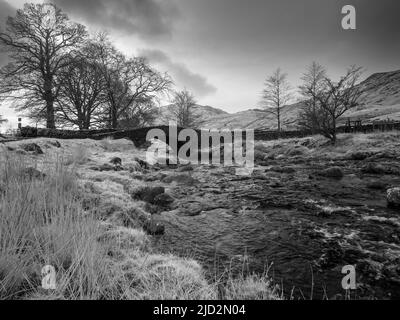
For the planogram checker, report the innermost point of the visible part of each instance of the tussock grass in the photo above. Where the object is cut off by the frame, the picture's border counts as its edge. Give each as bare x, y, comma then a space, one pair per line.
318, 146
163, 277
42, 223
264, 151
79, 155
251, 287
107, 144
111, 145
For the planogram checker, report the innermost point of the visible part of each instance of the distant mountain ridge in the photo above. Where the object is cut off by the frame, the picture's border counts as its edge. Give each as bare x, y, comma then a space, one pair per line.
380, 101
204, 112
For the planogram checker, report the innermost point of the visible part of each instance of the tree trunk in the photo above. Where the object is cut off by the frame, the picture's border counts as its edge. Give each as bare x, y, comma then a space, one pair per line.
279, 122
81, 119
86, 125
334, 131
50, 120
114, 119
48, 97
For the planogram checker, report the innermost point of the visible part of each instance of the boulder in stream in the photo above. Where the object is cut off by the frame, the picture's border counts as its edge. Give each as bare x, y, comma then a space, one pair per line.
33, 148
333, 172
393, 197
374, 168
148, 194
163, 200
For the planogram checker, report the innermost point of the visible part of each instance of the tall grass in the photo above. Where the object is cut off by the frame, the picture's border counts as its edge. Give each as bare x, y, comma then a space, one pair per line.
42, 223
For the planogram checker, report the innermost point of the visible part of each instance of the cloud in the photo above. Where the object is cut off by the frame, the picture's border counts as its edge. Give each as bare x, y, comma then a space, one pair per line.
180, 73
5, 11
147, 18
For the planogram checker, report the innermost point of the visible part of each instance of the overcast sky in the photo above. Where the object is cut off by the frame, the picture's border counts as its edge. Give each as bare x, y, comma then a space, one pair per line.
222, 50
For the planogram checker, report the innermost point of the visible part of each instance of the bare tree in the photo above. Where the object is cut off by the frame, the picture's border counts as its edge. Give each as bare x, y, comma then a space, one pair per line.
38, 39
183, 110
127, 80
276, 95
313, 85
81, 94
142, 113
335, 100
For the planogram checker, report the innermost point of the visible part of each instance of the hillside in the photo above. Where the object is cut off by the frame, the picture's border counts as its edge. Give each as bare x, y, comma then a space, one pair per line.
205, 112
380, 101
251, 119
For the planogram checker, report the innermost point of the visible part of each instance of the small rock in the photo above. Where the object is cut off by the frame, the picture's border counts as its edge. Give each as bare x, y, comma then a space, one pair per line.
55, 144
306, 143
393, 197
186, 168
142, 163
359, 155
133, 167
385, 155
153, 209
155, 177
154, 229
148, 194
134, 218
377, 185
283, 169
373, 168
32, 147
106, 167
334, 172
163, 200
276, 185
138, 177
192, 210
180, 179
116, 161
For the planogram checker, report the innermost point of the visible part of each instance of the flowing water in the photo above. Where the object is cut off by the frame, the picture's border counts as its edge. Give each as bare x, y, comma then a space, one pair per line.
299, 227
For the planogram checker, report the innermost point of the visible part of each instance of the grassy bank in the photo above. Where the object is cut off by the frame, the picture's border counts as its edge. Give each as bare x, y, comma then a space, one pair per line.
318, 147
45, 220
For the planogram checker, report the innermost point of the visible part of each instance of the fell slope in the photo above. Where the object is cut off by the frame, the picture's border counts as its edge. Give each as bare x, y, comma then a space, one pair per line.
380, 101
